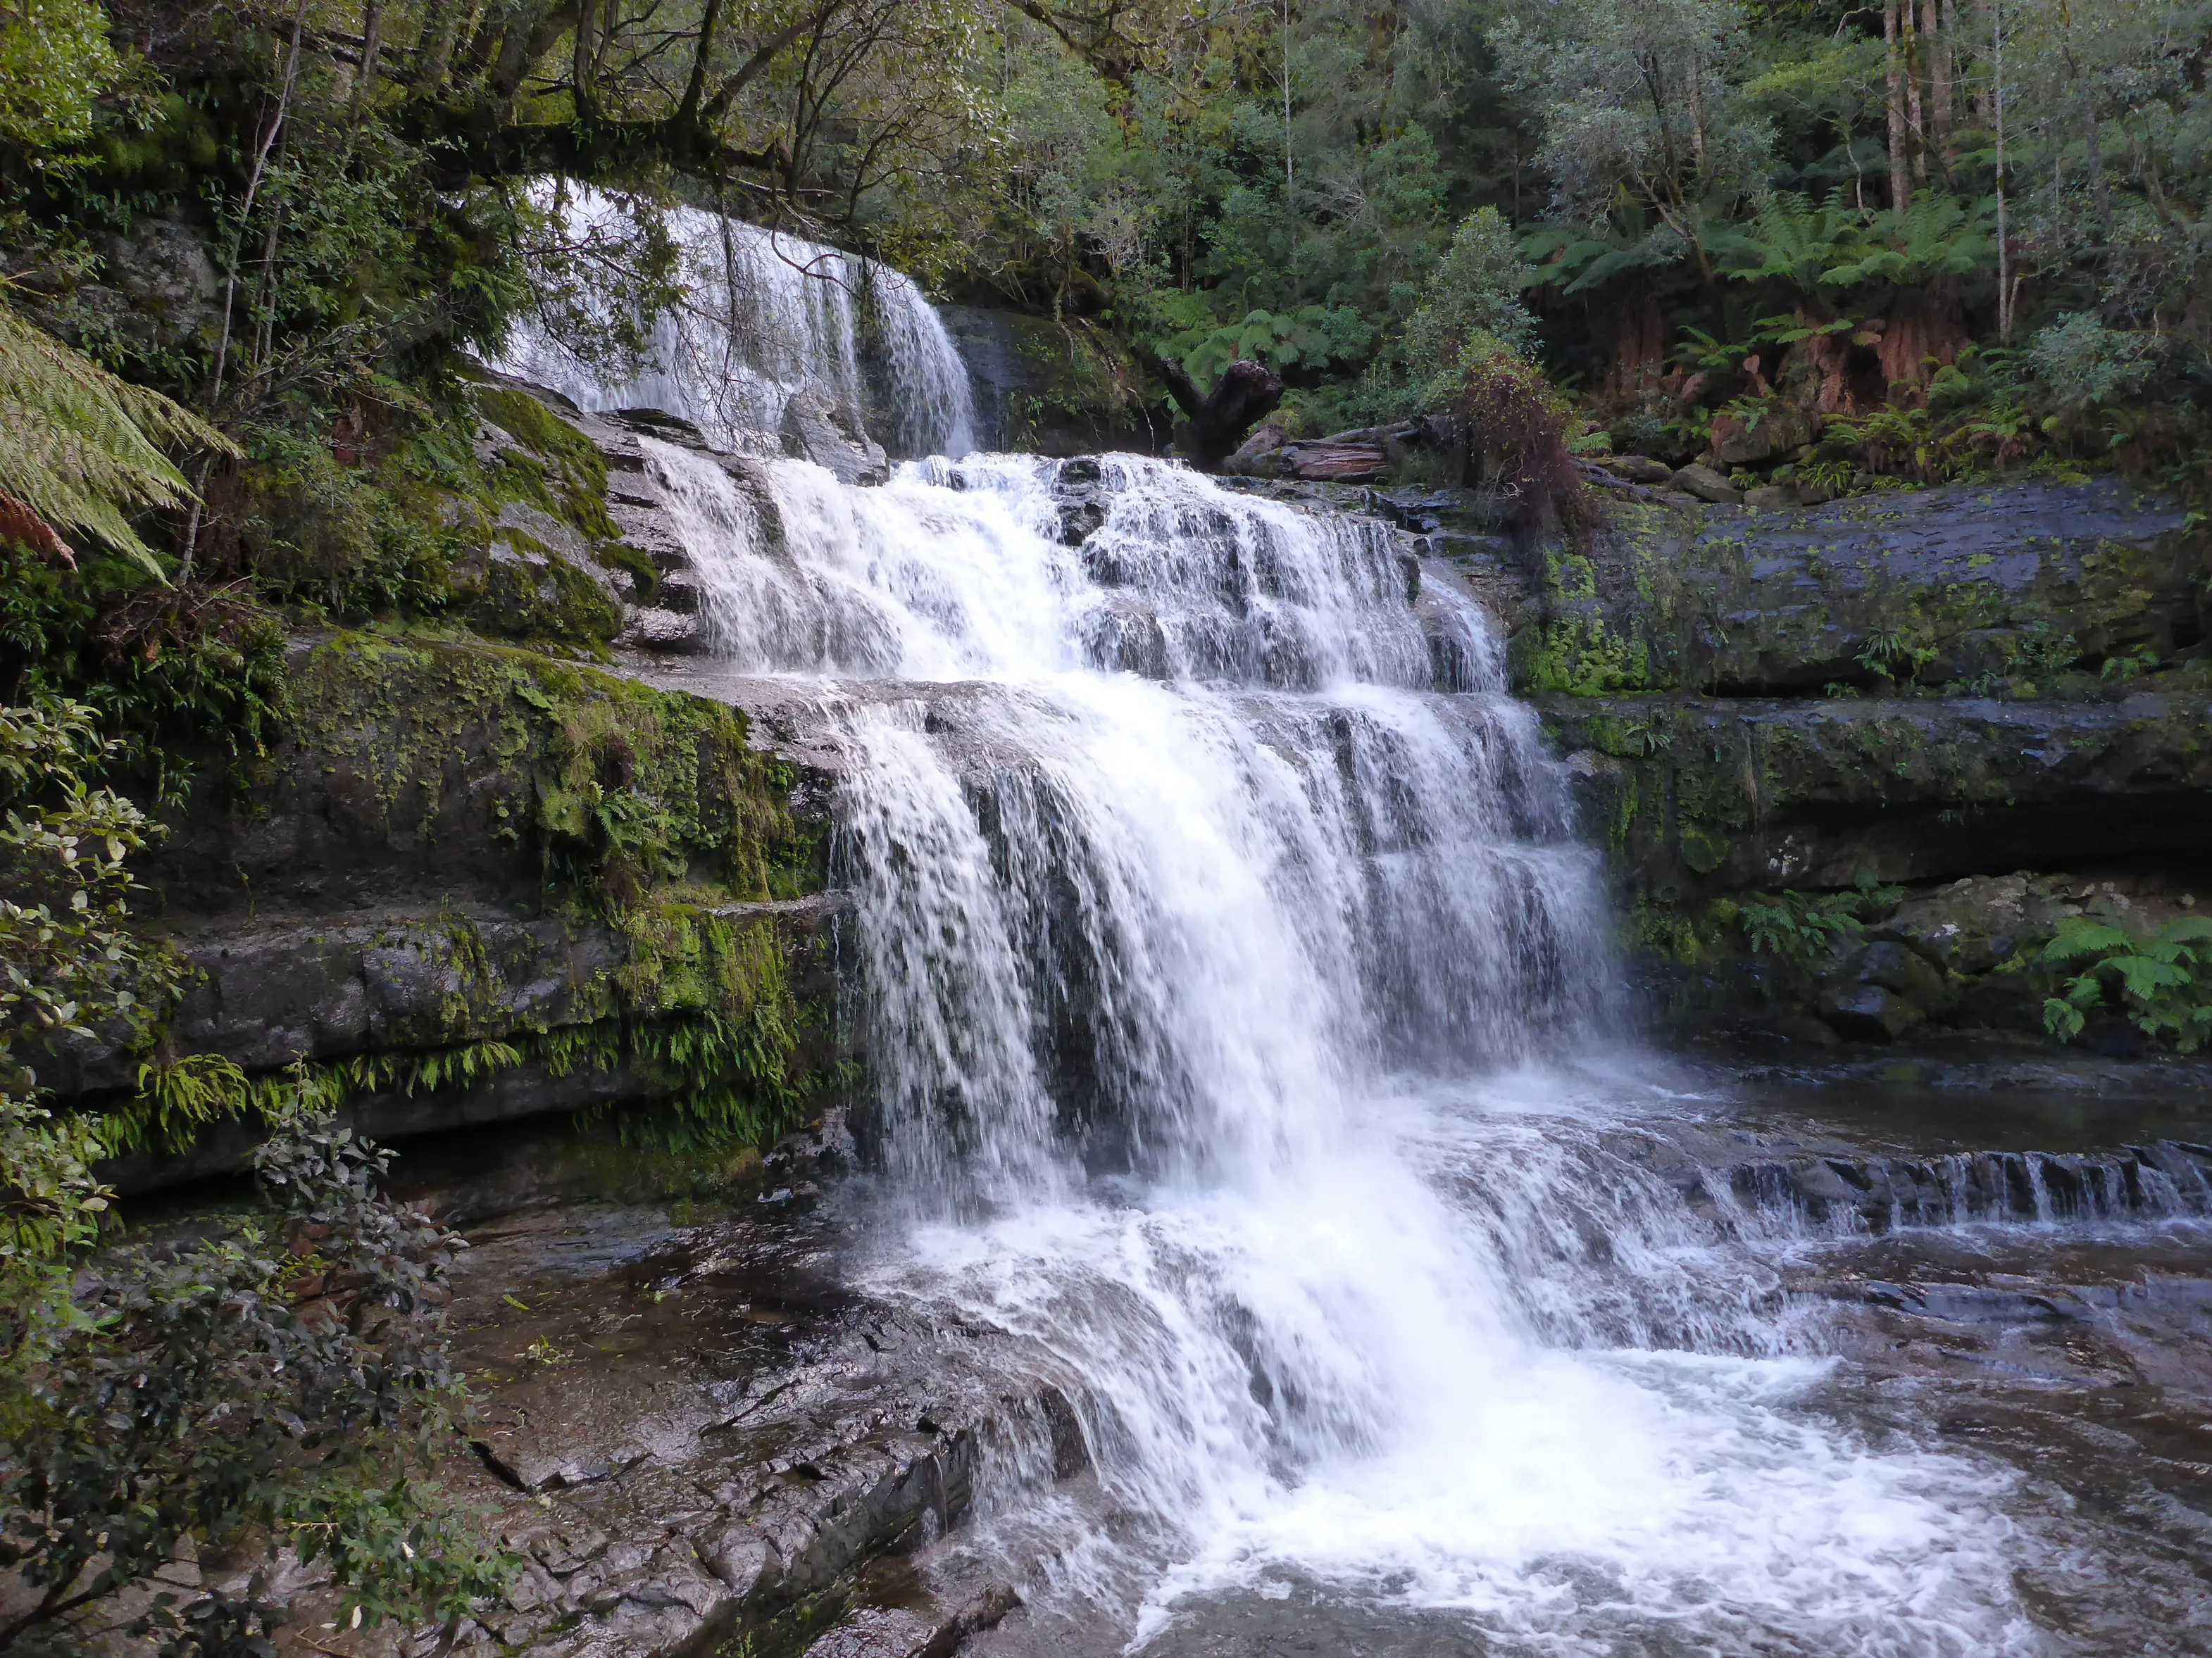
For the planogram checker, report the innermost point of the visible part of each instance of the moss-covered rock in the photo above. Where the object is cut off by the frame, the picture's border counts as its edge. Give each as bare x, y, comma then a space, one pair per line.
484, 882
2001, 588
1054, 387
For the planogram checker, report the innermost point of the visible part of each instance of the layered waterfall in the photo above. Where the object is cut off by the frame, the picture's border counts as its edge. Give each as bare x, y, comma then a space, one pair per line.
1237, 1023
766, 318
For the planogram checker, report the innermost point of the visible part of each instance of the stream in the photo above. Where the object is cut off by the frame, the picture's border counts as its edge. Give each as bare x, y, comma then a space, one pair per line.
1244, 1072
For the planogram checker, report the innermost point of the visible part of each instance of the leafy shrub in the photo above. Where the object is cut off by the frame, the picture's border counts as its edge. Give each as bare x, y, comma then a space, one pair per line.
2162, 980
2079, 361
283, 1378
1475, 288
1516, 426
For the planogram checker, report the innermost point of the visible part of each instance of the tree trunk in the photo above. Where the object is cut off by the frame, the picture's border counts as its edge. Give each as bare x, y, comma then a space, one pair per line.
1247, 393
372, 46
1639, 347
1926, 324
1997, 113
1914, 128
1935, 24
2100, 189
1900, 181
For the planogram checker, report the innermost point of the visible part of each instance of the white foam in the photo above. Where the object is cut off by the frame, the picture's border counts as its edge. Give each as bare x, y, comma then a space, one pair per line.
1183, 986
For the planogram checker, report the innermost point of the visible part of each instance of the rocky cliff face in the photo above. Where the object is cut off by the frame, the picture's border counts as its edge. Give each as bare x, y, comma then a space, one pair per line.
480, 879
1855, 764
1054, 387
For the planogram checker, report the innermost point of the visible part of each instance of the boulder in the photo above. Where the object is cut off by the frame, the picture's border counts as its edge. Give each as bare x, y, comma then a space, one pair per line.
1868, 1012
1779, 429
1638, 469
833, 439
1706, 484
1254, 456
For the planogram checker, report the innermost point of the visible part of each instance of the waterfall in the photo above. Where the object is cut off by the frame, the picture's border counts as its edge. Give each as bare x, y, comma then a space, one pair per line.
765, 318
1237, 1020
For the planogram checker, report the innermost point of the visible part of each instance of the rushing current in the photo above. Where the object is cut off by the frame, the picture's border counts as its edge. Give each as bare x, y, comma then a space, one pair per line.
767, 317
1237, 1014
1241, 1049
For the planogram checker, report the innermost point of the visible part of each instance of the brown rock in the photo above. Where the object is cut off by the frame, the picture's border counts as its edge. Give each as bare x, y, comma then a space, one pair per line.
1706, 484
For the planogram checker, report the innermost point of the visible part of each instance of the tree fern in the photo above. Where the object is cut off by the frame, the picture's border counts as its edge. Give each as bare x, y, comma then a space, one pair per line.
79, 447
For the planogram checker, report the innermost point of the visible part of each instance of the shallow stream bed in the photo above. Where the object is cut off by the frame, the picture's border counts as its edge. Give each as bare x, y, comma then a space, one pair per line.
1696, 1413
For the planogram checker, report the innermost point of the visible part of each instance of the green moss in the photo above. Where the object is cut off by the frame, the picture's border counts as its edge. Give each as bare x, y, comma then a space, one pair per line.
563, 472
1579, 657
620, 788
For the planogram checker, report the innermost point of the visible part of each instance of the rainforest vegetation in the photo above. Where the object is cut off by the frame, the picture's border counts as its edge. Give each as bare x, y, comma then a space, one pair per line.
248, 248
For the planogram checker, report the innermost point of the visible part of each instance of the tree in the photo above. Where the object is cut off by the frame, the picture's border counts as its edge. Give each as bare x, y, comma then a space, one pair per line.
1476, 286
1638, 103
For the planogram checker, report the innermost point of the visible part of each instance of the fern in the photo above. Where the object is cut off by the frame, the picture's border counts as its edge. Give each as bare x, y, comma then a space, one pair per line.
2162, 980
79, 447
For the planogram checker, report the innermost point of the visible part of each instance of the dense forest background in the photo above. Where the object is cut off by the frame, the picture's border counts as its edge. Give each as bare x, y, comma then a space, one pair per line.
249, 247
1969, 233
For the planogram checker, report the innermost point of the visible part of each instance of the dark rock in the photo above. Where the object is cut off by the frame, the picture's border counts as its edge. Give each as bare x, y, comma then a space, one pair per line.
814, 430
1706, 484
1638, 469
1868, 1012
1779, 430
1054, 387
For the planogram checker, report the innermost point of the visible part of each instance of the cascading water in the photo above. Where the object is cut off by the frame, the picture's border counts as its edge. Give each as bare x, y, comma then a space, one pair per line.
765, 318
1221, 914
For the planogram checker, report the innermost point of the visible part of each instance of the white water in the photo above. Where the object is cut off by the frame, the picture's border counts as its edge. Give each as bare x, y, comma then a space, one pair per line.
1231, 1024
768, 316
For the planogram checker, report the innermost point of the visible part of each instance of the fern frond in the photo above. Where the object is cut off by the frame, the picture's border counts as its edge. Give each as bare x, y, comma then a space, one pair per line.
79, 446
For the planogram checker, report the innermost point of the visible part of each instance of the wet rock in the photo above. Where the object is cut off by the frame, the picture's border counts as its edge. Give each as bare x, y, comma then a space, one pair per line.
2170, 1179
1638, 469
1258, 452
1868, 1012
1706, 484
1054, 387
815, 430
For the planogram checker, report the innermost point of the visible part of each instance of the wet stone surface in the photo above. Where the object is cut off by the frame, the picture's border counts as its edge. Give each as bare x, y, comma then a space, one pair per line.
704, 1439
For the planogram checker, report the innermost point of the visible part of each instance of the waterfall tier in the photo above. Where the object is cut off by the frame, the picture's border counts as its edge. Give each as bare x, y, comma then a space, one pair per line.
1228, 954
769, 319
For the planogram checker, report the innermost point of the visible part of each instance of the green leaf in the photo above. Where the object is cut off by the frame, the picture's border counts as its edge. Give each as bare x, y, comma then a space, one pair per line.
2077, 939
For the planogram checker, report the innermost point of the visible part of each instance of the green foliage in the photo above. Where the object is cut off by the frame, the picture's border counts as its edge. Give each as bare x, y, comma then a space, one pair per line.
2085, 362
1802, 928
2160, 980
1797, 929
55, 64
78, 445
283, 1378
1474, 290
169, 672
1574, 656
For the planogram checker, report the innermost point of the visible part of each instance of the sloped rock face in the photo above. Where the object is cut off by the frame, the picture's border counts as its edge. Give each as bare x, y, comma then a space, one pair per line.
1951, 698
424, 895
1054, 387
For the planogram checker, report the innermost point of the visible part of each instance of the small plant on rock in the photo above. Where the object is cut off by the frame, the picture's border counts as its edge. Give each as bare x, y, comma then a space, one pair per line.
2162, 981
